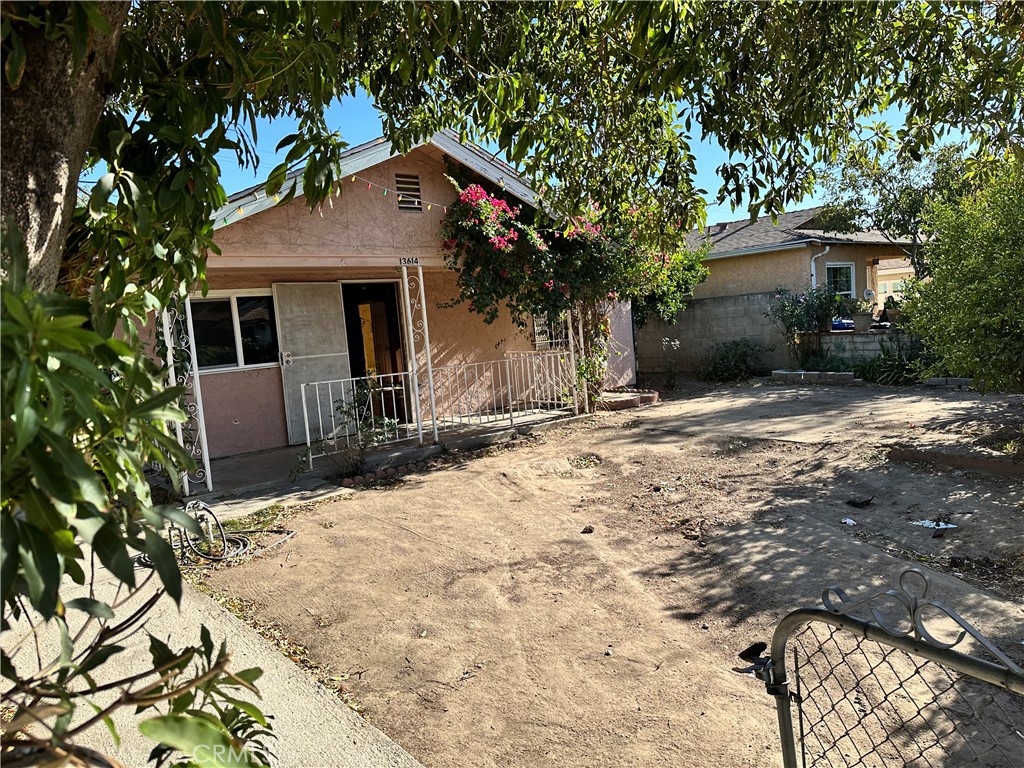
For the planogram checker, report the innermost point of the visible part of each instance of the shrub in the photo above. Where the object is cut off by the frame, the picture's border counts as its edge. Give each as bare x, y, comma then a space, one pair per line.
898, 363
735, 360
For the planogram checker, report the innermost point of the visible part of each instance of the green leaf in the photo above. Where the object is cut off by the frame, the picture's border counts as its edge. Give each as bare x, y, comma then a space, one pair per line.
14, 68
100, 194
93, 607
98, 658
248, 707
41, 568
113, 553
206, 744
9, 556
162, 556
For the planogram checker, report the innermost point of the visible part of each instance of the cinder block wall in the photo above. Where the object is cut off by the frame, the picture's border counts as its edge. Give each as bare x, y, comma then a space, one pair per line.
853, 346
704, 323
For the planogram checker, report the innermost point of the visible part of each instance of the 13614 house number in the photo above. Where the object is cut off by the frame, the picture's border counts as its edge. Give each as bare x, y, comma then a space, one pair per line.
408, 260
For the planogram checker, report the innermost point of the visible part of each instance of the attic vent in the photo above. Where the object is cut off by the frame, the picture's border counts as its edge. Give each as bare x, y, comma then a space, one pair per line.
408, 188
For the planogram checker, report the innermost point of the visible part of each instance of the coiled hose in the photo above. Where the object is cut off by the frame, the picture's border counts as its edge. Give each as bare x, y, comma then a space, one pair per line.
216, 545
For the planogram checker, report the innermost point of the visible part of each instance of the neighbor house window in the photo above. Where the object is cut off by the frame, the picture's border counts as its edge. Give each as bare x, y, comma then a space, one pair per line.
839, 279
883, 287
408, 189
235, 331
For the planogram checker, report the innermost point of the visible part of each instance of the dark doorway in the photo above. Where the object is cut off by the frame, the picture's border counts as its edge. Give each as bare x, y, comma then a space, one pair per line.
374, 337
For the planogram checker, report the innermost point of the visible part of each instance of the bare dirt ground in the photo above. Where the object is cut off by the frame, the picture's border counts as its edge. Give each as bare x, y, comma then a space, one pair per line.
478, 626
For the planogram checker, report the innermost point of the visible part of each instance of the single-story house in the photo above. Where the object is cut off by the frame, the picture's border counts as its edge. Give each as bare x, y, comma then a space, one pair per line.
747, 263
320, 323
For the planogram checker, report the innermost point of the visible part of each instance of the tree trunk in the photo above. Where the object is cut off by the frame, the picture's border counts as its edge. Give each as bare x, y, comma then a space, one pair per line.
46, 125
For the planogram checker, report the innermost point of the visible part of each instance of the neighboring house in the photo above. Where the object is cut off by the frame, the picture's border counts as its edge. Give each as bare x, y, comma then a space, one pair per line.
892, 275
313, 319
747, 263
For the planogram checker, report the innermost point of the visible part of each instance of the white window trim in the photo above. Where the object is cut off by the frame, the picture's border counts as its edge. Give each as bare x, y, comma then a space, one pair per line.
232, 295
853, 274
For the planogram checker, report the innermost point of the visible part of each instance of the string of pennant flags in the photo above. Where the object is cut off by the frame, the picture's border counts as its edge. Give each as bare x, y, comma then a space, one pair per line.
370, 185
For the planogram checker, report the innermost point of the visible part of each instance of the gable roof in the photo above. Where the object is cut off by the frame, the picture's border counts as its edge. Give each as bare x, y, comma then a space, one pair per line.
255, 199
791, 230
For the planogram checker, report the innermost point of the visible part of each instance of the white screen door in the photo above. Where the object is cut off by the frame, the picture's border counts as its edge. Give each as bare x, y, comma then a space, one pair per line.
314, 347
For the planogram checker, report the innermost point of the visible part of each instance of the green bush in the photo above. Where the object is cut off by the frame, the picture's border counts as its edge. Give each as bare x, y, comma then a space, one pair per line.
970, 314
735, 360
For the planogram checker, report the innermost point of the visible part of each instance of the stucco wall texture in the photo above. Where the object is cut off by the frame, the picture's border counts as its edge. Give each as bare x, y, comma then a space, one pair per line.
361, 222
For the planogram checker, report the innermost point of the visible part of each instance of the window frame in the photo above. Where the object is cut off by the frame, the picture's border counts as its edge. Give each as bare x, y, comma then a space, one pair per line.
852, 266
232, 297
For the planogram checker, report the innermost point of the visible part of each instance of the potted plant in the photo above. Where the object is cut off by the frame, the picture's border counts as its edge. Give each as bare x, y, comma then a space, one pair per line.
862, 313
893, 310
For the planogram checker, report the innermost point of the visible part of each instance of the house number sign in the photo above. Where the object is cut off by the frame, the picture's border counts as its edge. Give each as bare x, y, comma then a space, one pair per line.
405, 261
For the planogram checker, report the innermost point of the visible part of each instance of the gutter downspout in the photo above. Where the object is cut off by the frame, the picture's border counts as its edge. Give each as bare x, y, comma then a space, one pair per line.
814, 274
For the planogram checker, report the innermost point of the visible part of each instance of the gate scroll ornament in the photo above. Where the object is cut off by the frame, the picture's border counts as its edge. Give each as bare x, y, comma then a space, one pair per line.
872, 684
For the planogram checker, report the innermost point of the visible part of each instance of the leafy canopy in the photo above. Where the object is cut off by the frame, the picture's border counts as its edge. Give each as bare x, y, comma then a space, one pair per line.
598, 102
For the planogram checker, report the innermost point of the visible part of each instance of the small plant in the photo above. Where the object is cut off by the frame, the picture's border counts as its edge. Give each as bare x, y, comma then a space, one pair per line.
849, 306
735, 360
827, 362
800, 314
366, 425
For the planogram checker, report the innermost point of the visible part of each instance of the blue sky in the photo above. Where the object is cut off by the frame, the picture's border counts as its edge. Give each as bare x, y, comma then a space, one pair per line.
358, 121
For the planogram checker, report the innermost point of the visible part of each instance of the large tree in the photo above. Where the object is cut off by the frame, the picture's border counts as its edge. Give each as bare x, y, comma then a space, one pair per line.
599, 103
892, 194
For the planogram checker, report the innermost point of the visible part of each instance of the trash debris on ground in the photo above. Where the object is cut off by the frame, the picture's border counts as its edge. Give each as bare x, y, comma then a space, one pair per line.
933, 524
860, 503
587, 529
848, 521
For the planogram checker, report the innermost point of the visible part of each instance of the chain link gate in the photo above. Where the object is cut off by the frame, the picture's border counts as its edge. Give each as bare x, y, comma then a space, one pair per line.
884, 691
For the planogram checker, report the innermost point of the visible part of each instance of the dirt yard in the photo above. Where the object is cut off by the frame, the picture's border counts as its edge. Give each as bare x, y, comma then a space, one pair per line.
479, 626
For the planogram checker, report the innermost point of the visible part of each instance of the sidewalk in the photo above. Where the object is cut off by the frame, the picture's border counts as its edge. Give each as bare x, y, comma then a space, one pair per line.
314, 728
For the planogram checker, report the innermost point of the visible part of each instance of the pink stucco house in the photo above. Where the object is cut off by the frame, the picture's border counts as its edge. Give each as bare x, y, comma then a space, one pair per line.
318, 322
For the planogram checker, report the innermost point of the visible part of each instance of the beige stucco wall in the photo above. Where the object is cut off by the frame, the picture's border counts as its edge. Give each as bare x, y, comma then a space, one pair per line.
359, 223
756, 273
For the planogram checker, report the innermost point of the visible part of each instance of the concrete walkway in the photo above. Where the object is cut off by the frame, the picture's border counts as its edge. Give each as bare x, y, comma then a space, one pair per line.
314, 728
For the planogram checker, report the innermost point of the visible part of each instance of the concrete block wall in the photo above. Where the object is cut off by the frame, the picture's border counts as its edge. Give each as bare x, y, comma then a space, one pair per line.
703, 323
851, 345
682, 346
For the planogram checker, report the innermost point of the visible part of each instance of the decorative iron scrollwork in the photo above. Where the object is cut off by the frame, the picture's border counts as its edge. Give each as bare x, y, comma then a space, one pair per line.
911, 595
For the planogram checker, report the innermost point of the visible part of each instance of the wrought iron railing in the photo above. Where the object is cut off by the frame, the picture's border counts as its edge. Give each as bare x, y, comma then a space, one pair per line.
522, 384
358, 412
389, 408
885, 690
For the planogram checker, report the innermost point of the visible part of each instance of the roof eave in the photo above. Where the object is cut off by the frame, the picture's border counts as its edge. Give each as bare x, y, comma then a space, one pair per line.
787, 246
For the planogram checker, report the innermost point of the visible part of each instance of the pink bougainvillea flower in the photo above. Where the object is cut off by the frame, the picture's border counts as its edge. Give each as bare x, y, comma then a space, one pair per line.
550, 285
